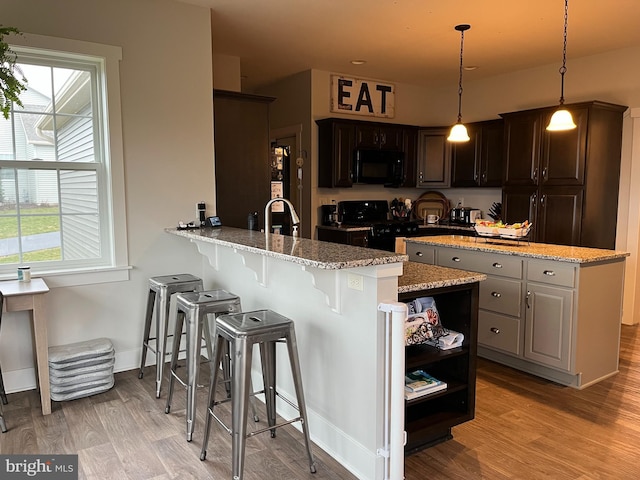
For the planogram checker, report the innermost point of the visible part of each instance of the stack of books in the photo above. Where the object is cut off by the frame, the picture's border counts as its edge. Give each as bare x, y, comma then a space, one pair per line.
419, 383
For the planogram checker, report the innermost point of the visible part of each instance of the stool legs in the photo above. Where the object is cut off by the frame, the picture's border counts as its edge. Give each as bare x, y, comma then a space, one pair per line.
3, 426
162, 312
292, 348
151, 299
3, 394
268, 356
240, 395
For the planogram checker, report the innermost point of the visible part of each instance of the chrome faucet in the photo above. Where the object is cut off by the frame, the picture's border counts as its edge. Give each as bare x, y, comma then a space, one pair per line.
294, 216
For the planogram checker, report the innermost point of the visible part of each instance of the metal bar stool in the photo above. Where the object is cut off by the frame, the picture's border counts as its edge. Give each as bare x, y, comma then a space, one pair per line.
242, 331
160, 291
196, 307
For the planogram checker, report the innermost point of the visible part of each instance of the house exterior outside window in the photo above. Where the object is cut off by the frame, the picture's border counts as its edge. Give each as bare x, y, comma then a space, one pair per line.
57, 165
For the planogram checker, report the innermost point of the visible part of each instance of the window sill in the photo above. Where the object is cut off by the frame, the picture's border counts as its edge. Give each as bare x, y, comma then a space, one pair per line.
78, 277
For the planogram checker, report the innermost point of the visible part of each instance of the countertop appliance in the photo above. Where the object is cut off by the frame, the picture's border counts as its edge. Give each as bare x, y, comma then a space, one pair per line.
464, 215
375, 214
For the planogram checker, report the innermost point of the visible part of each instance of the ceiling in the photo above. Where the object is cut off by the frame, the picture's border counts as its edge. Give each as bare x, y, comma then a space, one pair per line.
413, 41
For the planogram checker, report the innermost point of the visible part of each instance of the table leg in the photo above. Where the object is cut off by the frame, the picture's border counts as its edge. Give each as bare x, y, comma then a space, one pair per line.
39, 319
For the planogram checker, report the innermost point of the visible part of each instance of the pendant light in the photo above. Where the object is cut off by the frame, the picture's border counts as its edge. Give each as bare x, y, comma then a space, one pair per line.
562, 119
459, 131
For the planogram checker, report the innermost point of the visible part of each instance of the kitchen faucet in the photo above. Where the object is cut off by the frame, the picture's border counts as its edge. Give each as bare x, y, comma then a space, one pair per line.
267, 215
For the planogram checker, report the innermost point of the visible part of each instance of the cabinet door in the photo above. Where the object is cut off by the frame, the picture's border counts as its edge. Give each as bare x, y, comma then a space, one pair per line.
434, 158
410, 149
465, 159
549, 316
559, 219
367, 136
391, 138
564, 153
492, 154
336, 144
519, 204
522, 148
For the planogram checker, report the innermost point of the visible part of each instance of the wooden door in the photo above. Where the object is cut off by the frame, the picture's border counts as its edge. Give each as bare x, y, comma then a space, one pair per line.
434, 158
491, 154
465, 158
559, 218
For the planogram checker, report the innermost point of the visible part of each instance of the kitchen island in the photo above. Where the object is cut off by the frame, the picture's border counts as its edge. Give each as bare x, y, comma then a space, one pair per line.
549, 310
332, 292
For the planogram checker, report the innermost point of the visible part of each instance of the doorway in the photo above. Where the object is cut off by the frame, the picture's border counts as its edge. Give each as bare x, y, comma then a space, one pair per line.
287, 141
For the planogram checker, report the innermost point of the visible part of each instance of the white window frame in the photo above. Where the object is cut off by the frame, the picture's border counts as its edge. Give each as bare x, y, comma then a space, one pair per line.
110, 56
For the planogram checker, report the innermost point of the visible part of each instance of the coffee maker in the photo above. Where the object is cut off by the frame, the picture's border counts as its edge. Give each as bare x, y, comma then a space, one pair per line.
329, 215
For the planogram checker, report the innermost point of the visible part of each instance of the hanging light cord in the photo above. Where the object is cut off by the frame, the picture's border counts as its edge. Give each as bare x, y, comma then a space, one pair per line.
563, 68
460, 81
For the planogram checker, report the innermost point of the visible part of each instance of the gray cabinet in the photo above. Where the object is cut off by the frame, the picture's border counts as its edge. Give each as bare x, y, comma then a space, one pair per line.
434, 158
556, 319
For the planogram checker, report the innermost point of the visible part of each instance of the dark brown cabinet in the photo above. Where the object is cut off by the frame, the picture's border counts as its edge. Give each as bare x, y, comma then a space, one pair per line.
380, 137
429, 419
566, 183
242, 155
359, 238
339, 139
479, 162
434, 158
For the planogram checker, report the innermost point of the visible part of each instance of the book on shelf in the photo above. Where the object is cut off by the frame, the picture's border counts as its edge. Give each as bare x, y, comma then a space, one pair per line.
419, 383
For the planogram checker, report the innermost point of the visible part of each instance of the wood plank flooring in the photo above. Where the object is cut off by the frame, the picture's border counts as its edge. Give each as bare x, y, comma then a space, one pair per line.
526, 428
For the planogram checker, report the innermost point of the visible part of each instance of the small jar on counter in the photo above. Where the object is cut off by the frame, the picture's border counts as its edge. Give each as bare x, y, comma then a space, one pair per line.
24, 274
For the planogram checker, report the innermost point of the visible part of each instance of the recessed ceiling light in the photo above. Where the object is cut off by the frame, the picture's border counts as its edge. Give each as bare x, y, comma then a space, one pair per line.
358, 62
471, 67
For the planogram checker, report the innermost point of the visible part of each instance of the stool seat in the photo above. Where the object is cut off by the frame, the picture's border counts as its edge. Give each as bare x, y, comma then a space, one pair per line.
161, 288
194, 307
241, 331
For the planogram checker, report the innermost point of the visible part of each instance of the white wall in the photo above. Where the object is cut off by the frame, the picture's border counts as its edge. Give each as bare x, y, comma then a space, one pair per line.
166, 79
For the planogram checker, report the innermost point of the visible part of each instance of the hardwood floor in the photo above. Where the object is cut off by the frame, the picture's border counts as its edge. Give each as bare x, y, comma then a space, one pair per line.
125, 434
526, 428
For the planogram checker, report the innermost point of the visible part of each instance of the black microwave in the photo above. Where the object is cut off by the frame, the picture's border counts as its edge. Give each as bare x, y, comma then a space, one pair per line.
378, 167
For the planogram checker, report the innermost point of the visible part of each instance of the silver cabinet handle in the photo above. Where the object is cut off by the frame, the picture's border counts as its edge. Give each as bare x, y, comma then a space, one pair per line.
551, 273
496, 294
495, 330
497, 265
527, 299
455, 259
419, 254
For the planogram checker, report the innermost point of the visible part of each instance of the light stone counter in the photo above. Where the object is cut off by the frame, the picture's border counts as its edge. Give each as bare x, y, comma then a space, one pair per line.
420, 276
302, 251
561, 253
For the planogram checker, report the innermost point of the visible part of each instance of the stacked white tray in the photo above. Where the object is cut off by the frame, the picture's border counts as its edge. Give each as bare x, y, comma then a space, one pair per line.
81, 369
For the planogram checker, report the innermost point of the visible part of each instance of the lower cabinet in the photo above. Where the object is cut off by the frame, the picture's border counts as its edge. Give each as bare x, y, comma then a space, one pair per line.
429, 419
558, 320
358, 238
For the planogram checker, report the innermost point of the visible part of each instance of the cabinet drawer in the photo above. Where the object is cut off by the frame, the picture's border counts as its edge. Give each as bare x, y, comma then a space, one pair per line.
501, 295
421, 253
553, 273
491, 264
499, 332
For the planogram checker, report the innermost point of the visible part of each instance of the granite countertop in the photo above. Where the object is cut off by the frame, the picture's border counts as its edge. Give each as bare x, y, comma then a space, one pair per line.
421, 276
446, 226
303, 251
562, 253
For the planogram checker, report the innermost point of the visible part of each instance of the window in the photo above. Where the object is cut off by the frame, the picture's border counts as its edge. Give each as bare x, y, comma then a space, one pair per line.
56, 165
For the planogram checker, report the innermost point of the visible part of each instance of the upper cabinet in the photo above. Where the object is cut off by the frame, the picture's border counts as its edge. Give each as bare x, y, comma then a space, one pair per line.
434, 158
566, 183
338, 141
383, 137
479, 162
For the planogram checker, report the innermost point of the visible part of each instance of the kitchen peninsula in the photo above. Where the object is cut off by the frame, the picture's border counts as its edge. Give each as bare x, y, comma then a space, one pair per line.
549, 310
332, 292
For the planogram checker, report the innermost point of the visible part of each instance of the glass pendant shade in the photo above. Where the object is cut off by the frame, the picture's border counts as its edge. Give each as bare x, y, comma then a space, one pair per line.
561, 120
458, 133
